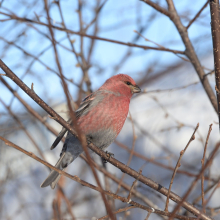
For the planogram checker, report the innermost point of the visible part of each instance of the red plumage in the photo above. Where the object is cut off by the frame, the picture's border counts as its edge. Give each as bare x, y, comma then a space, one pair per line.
112, 111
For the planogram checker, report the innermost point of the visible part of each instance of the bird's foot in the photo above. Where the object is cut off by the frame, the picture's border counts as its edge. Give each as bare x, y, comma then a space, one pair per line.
109, 154
88, 140
104, 161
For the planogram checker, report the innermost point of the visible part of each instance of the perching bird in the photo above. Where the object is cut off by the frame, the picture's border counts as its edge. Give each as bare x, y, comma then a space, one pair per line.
100, 116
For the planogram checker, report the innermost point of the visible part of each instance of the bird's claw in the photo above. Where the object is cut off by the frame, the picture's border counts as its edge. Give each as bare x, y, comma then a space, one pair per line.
109, 154
104, 160
88, 141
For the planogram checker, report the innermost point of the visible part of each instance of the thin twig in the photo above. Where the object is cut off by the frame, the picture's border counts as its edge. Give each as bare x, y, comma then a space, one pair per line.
32, 86
148, 215
118, 211
131, 152
81, 136
197, 15
214, 12
208, 163
84, 183
90, 36
178, 165
160, 46
168, 90
133, 184
189, 52
203, 161
216, 187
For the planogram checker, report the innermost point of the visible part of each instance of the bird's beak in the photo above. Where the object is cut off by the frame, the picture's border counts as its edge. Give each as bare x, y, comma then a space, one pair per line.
135, 89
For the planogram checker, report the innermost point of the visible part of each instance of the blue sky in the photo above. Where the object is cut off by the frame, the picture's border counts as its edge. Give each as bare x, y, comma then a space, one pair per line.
132, 15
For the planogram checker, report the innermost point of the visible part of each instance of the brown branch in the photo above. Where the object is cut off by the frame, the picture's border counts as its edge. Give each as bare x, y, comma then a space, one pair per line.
216, 187
178, 165
23, 128
189, 49
209, 187
202, 161
157, 7
198, 14
32, 86
214, 12
81, 137
148, 215
167, 90
101, 153
159, 46
151, 160
131, 153
191, 54
84, 67
67, 202
208, 163
35, 58
133, 184
84, 183
38, 149
118, 211
93, 37
29, 108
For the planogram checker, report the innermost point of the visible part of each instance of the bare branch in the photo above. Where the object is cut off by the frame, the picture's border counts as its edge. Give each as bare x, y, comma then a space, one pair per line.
77, 179
214, 12
178, 165
197, 15
203, 161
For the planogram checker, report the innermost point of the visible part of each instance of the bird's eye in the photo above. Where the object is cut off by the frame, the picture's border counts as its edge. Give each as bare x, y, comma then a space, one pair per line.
128, 83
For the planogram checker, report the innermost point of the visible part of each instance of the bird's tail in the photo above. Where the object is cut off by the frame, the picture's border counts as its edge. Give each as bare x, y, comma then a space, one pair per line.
60, 135
54, 176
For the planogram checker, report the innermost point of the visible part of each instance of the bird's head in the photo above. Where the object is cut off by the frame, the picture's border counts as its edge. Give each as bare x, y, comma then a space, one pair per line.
123, 84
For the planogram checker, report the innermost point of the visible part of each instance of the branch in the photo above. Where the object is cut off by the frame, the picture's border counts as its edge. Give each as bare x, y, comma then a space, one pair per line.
178, 165
91, 36
197, 15
81, 137
189, 51
214, 11
157, 7
84, 183
202, 161
208, 163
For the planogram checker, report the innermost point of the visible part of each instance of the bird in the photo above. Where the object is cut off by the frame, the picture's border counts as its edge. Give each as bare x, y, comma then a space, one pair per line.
100, 117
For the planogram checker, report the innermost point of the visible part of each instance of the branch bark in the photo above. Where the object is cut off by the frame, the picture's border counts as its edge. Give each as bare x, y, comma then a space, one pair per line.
84, 183
189, 49
214, 11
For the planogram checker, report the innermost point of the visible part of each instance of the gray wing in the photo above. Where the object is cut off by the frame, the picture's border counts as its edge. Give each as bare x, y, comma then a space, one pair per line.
83, 108
60, 136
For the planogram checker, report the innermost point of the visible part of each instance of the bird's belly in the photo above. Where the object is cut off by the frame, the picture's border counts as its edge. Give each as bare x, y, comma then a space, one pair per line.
102, 138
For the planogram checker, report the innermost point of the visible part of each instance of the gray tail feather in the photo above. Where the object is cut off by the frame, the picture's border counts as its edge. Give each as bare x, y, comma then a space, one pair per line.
54, 176
60, 136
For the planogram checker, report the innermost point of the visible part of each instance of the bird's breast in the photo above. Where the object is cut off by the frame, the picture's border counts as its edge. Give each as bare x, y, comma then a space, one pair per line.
105, 120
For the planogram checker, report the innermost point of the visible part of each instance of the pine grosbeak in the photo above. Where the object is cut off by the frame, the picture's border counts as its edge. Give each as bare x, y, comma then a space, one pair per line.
100, 116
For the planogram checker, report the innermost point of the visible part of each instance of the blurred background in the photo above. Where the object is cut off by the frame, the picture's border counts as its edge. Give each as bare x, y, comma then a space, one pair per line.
161, 119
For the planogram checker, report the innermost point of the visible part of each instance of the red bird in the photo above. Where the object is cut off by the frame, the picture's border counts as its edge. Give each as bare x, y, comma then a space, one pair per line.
100, 116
